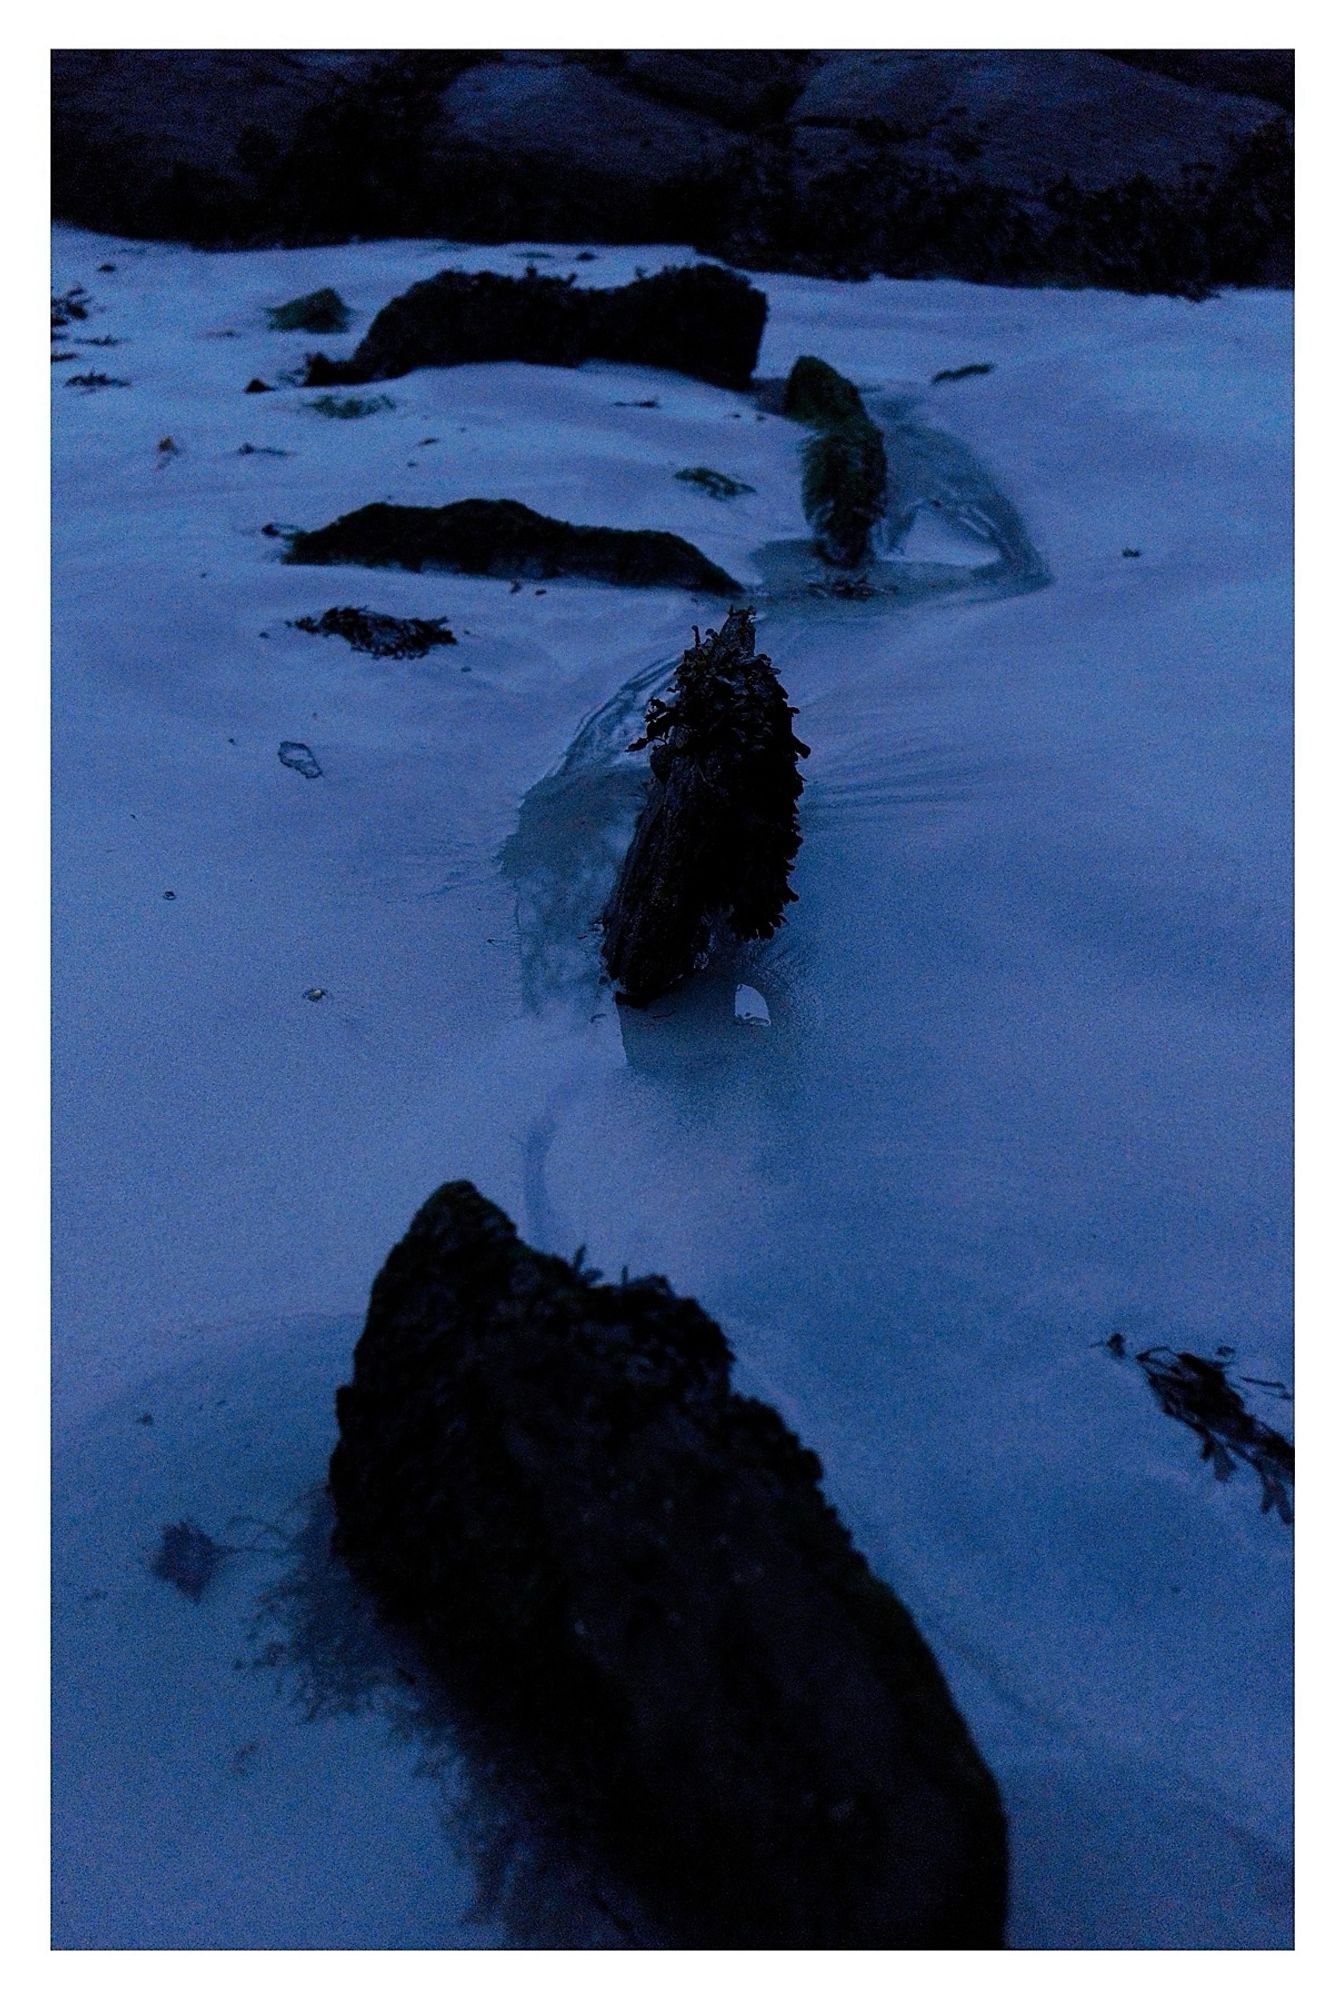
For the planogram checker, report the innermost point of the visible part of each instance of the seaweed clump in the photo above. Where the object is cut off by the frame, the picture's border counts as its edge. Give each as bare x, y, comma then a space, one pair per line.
717, 485
697, 319
843, 463
376, 632
188, 1558
503, 538
69, 306
322, 311
627, 1571
346, 407
1199, 1393
715, 841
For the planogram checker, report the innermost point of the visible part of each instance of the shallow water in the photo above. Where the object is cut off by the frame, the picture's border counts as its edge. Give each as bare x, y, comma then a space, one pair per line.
1025, 1081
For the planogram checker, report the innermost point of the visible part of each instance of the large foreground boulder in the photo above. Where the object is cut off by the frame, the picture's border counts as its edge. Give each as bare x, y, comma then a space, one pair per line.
631, 1571
504, 538
697, 319
714, 844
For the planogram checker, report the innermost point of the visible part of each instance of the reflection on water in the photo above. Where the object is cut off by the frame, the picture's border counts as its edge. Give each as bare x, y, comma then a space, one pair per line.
570, 839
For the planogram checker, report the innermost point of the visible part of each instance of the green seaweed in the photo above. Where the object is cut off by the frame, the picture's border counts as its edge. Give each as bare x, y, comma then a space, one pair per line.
322, 311
843, 465
350, 406
843, 490
717, 485
817, 394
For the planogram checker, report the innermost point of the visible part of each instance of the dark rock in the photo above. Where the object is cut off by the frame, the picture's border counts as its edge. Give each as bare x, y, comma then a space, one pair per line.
715, 841
1268, 74
375, 632
916, 163
256, 387
1031, 115
844, 472
322, 311
96, 380
962, 374
699, 320
739, 88
626, 1568
503, 538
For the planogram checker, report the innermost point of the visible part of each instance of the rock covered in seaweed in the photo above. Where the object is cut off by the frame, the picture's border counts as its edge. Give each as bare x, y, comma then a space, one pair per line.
843, 465
696, 319
504, 538
715, 841
630, 1570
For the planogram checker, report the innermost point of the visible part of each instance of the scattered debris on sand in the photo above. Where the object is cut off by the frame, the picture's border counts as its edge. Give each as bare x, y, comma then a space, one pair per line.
69, 306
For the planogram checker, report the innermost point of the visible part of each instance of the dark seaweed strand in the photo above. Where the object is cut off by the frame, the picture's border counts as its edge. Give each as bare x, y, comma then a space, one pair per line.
1199, 1394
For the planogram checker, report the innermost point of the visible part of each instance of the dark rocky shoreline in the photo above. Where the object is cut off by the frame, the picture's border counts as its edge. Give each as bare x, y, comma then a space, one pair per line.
1139, 170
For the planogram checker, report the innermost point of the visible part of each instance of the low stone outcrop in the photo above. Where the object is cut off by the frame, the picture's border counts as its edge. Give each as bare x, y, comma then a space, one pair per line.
696, 319
504, 538
715, 841
629, 1569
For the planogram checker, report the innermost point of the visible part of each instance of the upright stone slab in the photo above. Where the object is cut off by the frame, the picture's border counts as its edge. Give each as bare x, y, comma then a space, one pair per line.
714, 844
630, 1569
